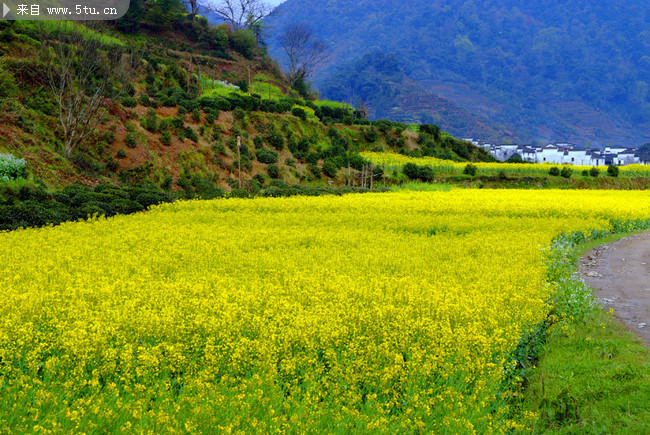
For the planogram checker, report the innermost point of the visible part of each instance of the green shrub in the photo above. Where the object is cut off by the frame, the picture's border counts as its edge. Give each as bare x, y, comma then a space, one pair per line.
239, 114
411, 170
196, 115
130, 140
585, 173
612, 171
275, 139
470, 170
125, 206
166, 138
121, 153
108, 137
210, 117
177, 123
147, 199
258, 142
244, 42
267, 156
566, 172
112, 166
554, 171
594, 172
299, 113
273, 171
312, 158
129, 101
426, 173
27, 214
144, 100
151, 121
191, 134
330, 168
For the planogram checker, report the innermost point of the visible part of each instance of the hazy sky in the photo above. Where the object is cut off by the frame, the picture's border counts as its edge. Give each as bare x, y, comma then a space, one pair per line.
275, 2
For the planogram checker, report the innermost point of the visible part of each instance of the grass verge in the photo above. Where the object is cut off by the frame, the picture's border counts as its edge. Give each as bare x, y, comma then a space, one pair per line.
592, 375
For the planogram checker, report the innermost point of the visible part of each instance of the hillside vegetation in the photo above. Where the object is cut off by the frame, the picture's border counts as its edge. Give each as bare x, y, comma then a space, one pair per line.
548, 70
178, 115
173, 97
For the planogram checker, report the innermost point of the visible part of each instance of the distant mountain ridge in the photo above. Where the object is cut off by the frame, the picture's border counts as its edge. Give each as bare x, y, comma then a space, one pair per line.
541, 70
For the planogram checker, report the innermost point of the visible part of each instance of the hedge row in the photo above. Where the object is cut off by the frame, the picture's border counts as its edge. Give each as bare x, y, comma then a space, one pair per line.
34, 206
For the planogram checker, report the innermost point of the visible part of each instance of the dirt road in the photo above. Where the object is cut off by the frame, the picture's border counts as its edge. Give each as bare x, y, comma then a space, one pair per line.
619, 273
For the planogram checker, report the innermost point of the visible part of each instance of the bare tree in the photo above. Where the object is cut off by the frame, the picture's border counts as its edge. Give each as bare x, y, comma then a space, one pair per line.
304, 51
241, 14
194, 7
80, 69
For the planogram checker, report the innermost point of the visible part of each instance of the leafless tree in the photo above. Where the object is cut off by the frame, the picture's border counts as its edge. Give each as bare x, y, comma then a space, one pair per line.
241, 14
80, 68
194, 7
305, 53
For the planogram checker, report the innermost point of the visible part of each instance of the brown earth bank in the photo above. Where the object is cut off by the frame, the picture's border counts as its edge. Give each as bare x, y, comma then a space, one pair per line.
619, 273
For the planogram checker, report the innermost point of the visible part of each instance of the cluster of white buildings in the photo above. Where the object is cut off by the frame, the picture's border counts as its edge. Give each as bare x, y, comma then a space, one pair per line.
563, 153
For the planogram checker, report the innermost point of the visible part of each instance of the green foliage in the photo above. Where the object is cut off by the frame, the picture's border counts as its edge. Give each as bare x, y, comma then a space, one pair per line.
130, 140
594, 172
33, 206
330, 168
267, 156
166, 138
128, 101
196, 114
414, 172
566, 172
151, 121
554, 171
163, 14
273, 171
515, 158
470, 170
275, 139
300, 113
190, 134
8, 86
370, 135
132, 20
315, 170
612, 171
243, 40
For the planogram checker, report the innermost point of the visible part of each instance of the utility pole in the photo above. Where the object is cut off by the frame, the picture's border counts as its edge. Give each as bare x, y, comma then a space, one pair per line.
239, 158
348, 178
200, 81
190, 71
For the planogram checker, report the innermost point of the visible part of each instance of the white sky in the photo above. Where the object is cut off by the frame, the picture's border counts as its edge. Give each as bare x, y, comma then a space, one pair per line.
275, 2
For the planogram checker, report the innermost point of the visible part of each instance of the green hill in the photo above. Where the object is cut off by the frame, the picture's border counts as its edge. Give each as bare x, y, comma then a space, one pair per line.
172, 97
551, 70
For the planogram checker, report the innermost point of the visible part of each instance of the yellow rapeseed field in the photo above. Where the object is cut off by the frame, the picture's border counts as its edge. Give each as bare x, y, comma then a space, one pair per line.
376, 312
449, 167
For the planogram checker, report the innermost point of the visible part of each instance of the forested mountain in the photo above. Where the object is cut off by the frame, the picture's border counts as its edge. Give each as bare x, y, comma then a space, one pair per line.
547, 70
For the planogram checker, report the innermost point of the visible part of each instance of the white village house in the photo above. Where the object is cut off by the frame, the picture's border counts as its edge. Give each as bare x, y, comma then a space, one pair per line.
563, 153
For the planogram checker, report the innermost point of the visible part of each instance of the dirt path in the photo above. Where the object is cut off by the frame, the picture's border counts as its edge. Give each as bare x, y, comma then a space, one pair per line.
619, 273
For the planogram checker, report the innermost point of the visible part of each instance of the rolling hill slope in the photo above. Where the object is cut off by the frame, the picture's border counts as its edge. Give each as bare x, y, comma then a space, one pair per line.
550, 70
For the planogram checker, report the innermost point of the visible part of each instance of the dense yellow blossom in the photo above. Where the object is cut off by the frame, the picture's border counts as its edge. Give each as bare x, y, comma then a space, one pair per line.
483, 168
376, 312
